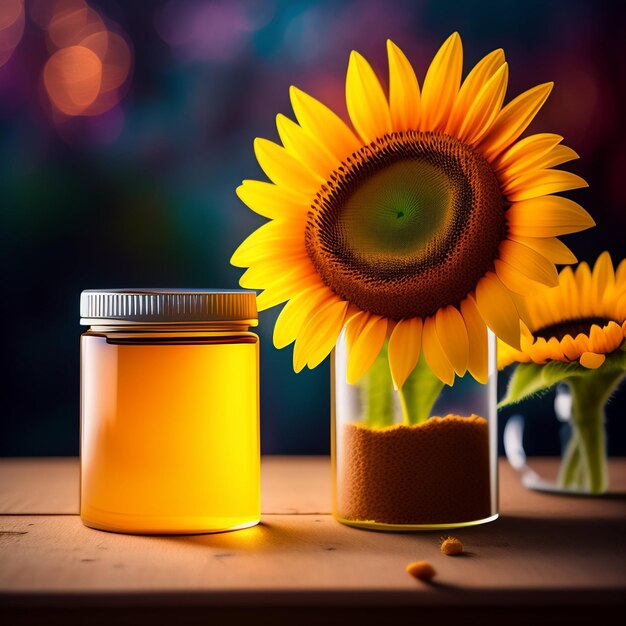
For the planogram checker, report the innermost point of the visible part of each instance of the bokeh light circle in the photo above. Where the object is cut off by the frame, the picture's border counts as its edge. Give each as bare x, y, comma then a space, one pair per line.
72, 78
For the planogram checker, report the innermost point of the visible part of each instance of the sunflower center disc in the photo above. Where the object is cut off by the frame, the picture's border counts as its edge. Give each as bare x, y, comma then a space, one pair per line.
406, 225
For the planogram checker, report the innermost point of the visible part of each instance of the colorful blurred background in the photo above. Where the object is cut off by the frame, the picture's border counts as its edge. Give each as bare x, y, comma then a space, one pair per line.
125, 128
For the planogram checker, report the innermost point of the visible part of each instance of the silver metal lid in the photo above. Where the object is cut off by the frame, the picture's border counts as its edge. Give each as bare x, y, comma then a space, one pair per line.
114, 306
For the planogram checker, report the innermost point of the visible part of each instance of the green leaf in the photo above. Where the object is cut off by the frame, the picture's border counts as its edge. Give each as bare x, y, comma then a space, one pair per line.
419, 393
530, 379
377, 387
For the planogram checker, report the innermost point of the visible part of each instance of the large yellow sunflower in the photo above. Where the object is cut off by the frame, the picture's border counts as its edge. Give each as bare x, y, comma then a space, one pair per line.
421, 224
582, 320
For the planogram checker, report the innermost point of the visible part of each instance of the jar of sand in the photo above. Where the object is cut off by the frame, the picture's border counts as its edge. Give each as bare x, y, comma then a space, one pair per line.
417, 458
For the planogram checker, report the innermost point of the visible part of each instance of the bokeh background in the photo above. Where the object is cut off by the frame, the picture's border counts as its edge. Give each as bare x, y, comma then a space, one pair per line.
124, 174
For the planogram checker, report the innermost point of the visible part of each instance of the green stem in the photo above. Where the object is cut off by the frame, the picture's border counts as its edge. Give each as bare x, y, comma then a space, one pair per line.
419, 394
584, 465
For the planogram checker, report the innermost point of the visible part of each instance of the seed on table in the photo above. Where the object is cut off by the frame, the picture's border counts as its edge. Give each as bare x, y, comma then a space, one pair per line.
451, 546
421, 569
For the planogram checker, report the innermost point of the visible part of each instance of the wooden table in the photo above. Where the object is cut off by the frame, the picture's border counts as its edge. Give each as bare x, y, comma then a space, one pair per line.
547, 559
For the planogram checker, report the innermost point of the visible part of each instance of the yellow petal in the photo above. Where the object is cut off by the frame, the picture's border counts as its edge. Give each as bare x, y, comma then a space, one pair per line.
486, 107
284, 170
404, 91
541, 183
269, 274
478, 348
523, 154
498, 309
613, 336
434, 354
404, 349
292, 284
319, 334
554, 349
569, 348
507, 355
528, 262
328, 336
276, 238
557, 156
296, 312
620, 274
300, 144
515, 279
470, 88
602, 277
548, 216
366, 100
272, 201
354, 326
592, 361
441, 84
452, 335
366, 347
552, 248
513, 120
323, 124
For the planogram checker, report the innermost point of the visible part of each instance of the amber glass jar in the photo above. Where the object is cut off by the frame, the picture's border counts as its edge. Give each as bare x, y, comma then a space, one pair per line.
169, 411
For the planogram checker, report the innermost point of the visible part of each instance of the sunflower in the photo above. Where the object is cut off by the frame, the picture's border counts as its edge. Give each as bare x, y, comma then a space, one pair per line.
581, 320
421, 225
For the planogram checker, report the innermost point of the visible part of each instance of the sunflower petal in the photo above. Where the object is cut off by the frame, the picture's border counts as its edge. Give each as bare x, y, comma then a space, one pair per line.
294, 314
285, 170
404, 349
514, 279
434, 353
276, 238
602, 277
557, 156
569, 348
323, 124
272, 201
552, 248
291, 284
470, 88
319, 334
300, 144
523, 154
441, 84
486, 107
366, 347
366, 100
548, 216
478, 348
527, 261
591, 360
513, 120
498, 309
328, 335
542, 183
270, 273
452, 334
404, 91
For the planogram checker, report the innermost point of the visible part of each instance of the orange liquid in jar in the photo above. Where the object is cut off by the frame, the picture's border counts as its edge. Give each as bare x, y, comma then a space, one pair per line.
170, 433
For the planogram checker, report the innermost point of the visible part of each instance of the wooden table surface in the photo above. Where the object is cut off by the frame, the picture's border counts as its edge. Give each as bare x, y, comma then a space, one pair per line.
547, 557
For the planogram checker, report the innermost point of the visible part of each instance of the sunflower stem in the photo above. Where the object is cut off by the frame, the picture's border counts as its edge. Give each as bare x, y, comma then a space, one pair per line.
419, 394
584, 466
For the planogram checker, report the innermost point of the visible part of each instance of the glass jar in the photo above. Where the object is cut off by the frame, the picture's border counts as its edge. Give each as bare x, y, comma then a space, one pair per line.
421, 458
169, 411
579, 406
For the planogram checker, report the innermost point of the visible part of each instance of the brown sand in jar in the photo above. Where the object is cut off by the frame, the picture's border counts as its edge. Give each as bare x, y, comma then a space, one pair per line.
436, 472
